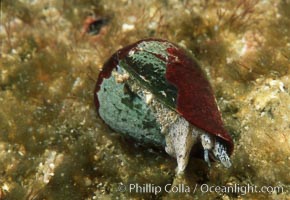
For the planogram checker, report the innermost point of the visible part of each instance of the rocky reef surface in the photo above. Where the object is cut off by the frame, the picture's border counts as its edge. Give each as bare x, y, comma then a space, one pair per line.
54, 146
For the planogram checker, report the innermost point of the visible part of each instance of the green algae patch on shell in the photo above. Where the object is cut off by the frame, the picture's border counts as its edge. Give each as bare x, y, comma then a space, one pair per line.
127, 113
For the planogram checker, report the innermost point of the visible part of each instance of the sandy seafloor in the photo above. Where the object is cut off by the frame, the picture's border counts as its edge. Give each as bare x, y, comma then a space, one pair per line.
53, 145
